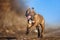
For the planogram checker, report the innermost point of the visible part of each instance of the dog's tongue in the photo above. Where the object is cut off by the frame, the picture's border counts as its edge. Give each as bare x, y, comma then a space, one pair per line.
28, 17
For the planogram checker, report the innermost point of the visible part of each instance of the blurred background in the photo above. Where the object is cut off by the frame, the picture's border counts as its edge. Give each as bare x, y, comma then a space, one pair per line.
13, 20
12, 17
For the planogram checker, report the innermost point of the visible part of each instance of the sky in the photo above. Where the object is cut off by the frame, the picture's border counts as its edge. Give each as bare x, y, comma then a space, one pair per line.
49, 9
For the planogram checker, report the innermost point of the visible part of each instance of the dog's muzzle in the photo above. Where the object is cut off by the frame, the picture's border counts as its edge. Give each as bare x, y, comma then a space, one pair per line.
28, 17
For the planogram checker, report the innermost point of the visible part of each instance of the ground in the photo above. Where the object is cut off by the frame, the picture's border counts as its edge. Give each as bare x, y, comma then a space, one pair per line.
53, 34
50, 34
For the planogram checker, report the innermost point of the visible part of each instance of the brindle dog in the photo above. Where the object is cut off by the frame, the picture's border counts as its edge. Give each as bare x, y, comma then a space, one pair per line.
38, 21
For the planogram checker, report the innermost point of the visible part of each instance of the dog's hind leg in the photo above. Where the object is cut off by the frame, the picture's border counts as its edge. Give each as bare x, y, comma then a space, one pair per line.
37, 27
42, 30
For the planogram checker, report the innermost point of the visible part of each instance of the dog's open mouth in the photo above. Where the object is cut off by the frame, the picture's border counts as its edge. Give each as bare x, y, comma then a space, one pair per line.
28, 17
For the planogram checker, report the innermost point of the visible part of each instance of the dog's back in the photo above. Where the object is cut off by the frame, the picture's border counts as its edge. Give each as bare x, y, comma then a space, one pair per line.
38, 18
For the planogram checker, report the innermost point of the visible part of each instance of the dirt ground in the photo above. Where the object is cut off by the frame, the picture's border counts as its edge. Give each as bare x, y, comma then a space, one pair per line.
53, 34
